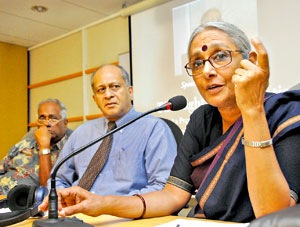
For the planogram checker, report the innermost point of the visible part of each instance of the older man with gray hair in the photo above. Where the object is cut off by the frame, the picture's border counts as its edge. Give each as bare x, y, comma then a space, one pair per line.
30, 161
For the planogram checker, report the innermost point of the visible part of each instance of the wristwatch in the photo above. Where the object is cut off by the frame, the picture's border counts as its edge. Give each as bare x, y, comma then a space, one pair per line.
260, 144
44, 151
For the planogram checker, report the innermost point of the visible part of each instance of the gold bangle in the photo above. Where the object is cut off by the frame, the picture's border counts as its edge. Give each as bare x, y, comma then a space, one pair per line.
261, 144
144, 205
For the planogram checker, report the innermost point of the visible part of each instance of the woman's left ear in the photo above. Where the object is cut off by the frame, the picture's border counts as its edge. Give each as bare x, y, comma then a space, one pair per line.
253, 57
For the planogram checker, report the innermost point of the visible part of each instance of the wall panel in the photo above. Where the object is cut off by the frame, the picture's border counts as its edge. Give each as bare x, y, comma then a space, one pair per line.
106, 41
62, 68
13, 99
69, 92
56, 59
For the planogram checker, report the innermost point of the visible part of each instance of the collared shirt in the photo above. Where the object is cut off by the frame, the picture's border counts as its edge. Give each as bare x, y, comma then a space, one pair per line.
140, 159
21, 164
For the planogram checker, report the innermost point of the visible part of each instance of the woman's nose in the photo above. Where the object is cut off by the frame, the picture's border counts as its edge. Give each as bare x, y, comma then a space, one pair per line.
208, 70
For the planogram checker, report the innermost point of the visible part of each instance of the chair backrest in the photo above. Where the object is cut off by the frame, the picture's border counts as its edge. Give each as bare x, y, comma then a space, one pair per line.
288, 217
175, 129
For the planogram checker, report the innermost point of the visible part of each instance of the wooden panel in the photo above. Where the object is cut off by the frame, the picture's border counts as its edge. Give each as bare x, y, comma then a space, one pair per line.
57, 68
62, 57
106, 41
13, 99
69, 92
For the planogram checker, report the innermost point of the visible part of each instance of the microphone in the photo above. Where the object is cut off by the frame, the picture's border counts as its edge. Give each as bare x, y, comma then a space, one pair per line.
176, 103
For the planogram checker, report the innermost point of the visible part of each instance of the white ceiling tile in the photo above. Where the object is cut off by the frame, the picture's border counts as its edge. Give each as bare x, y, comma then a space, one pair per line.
22, 26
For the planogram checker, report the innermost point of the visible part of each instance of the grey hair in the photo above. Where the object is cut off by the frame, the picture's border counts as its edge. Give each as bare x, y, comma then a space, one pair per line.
125, 75
237, 35
63, 109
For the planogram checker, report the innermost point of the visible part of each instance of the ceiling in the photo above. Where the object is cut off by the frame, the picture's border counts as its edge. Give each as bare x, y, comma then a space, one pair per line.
22, 26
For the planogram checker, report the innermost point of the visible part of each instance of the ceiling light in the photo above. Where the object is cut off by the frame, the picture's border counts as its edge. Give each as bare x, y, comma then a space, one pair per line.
39, 9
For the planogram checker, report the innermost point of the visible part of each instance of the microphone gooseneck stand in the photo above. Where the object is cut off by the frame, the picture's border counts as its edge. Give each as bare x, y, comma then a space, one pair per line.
174, 104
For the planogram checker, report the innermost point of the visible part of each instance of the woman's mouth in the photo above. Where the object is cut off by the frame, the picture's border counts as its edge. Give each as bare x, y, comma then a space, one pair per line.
215, 88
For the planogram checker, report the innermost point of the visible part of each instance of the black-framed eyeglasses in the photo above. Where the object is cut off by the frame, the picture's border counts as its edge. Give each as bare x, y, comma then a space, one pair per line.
217, 60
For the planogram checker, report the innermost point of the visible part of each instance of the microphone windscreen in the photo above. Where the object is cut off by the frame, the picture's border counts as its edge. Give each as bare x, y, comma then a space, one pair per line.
177, 102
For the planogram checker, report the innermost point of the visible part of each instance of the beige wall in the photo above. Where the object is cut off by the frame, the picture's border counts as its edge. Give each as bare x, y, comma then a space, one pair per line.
13, 99
59, 69
62, 68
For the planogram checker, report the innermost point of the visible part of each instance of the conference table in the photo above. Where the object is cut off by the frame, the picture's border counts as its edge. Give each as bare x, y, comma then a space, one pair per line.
112, 221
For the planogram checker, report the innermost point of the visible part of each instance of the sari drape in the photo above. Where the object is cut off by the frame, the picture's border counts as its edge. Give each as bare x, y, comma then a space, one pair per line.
220, 171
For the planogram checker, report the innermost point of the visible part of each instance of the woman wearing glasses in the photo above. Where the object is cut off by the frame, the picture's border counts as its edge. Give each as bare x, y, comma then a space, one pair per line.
240, 152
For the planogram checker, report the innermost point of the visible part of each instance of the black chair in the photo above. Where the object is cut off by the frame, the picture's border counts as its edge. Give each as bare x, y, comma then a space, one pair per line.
178, 136
175, 129
289, 217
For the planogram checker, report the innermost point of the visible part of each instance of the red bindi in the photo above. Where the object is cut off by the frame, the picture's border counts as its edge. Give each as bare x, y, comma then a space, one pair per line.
204, 48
